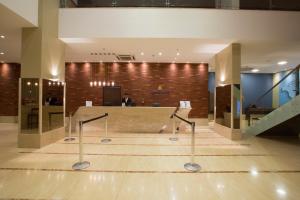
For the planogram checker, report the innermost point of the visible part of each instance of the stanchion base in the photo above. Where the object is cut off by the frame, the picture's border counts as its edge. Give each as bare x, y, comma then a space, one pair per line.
193, 167
81, 165
106, 140
69, 139
173, 139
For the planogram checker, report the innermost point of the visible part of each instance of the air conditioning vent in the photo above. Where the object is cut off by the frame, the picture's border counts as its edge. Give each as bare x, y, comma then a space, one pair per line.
125, 58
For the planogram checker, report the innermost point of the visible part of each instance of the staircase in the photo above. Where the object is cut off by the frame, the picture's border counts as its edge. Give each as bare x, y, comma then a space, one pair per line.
279, 119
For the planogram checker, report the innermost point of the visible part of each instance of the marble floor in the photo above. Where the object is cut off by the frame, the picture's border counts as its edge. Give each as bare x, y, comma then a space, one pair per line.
150, 167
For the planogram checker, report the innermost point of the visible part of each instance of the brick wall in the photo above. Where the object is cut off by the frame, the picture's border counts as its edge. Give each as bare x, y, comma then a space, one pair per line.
141, 81
9, 85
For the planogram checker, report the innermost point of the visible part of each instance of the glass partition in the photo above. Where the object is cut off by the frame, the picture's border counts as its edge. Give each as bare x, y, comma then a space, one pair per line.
236, 109
223, 105
30, 105
52, 105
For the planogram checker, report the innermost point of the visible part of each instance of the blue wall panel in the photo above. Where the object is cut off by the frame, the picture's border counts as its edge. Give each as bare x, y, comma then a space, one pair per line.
253, 85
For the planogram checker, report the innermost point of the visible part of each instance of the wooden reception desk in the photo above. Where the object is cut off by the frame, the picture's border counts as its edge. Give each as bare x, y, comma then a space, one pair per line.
130, 119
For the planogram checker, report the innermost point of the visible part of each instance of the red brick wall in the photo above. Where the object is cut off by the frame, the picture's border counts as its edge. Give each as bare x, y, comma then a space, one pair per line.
141, 81
9, 85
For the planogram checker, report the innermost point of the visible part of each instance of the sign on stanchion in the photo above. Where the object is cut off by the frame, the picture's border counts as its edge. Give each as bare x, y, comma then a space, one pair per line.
173, 138
106, 139
81, 164
70, 138
192, 166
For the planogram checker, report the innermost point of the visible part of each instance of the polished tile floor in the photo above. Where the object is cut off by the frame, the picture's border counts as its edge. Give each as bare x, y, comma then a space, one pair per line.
150, 167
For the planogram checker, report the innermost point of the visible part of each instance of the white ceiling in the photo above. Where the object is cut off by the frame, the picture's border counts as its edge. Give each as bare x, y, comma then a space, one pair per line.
10, 26
255, 54
190, 50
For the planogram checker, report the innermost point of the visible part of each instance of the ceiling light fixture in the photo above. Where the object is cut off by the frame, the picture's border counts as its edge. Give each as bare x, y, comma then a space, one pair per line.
160, 53
1, 53
178, 54
255, 70
282, 62
2, 36
142, 53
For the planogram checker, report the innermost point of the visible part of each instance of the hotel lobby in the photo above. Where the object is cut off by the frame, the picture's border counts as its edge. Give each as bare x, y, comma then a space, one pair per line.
167, 100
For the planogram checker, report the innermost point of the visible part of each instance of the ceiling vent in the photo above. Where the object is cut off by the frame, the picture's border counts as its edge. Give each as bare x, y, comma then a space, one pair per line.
125, 58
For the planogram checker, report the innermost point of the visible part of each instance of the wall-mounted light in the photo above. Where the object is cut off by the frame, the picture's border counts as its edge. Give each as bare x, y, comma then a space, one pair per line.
222, 78
142, 53
2, 36
255, 70
283, 62
160, 53
36, 84
28, 83
1, 53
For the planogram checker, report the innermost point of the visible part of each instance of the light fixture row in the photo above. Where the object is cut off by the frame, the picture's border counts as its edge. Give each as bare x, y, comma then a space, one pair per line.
56, 83
29, 83
101, 83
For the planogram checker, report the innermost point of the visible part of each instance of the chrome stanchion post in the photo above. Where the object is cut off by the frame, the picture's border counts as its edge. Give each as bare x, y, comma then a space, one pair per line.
70, 138
106, 139
81, 164
192, 166
173, 138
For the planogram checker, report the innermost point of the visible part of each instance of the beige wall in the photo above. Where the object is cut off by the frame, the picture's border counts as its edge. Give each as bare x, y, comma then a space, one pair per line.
228, 65
42, 51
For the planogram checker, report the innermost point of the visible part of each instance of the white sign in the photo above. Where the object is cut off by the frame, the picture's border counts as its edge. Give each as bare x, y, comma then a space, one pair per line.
185, 104
88, 103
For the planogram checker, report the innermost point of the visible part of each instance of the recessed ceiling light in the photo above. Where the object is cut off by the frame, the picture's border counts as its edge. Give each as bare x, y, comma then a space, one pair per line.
1, 53
178, 54
255, 70
2, 36
282, 62
142, 53
160, 53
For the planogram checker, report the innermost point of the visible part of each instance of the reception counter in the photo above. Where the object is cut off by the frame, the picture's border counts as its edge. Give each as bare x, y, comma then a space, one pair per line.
130, 119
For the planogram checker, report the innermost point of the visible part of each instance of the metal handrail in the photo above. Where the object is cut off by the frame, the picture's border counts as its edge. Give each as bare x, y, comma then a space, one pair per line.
285, 77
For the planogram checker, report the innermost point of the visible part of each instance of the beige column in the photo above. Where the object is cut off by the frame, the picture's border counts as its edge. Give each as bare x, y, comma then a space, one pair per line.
227, 74
42, 58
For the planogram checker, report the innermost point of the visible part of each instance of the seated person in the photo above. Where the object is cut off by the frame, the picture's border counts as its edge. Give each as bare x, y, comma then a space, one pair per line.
127, 100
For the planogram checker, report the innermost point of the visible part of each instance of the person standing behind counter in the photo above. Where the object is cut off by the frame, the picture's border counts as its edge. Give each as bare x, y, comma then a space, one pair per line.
126, 100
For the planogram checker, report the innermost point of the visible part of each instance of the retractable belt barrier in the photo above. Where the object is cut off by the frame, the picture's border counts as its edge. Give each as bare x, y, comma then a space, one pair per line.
85, 164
